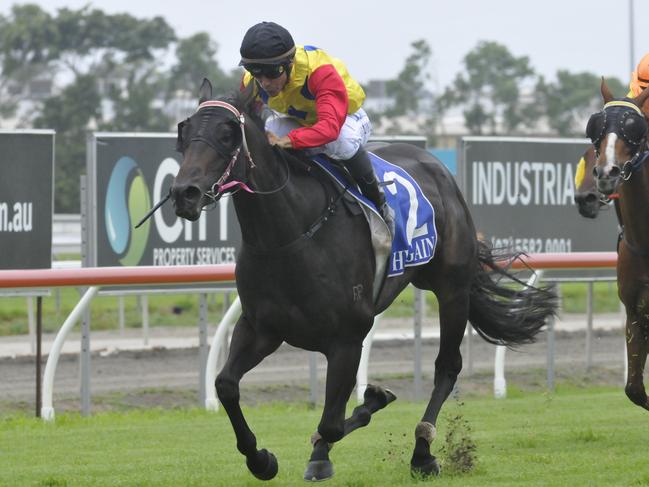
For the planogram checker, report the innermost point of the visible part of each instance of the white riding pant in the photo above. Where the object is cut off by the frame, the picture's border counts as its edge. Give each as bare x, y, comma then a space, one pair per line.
354, 133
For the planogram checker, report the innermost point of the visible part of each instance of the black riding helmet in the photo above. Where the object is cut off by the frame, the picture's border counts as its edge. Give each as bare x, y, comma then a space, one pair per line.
267, 48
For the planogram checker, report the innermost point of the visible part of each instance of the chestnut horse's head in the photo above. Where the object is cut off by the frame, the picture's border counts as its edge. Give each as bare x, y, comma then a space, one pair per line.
619, 136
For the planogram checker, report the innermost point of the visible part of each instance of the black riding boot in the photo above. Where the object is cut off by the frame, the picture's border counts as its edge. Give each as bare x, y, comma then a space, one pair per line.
360, 167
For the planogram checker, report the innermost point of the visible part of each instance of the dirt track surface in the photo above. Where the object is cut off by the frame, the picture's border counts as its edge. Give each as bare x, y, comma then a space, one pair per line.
170, 377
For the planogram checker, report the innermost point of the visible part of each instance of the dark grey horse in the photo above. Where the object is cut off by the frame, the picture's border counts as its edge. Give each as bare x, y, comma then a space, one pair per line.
306, 267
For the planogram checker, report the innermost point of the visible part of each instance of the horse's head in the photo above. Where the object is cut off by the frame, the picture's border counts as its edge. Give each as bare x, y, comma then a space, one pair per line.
215, 152
587, 198
619, 136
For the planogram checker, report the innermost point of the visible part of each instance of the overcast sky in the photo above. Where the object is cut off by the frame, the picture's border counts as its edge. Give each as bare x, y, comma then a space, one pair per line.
374, 37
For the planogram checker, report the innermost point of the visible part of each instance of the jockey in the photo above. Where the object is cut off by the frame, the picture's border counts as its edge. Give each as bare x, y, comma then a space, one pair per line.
640, 80
316, 103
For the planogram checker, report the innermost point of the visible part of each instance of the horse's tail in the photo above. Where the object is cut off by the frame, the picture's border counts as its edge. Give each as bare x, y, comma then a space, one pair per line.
501, 313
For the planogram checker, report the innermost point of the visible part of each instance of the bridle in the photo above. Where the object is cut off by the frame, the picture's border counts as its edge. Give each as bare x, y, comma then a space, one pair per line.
222, 185
630, 124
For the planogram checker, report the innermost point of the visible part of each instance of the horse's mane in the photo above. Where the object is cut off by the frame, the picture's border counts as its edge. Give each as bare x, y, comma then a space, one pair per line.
245, 101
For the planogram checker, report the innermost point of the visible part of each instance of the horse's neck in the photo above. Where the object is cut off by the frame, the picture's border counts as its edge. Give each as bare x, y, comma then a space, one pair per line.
273, 220
634, 201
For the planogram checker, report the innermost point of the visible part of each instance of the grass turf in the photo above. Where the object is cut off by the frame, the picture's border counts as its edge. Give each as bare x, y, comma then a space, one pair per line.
576, 436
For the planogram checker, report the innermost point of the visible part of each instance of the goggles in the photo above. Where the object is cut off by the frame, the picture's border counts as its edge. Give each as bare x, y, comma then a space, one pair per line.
270, 71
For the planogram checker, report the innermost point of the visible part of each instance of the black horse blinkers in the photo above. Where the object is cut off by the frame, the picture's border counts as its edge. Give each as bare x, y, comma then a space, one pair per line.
622, 118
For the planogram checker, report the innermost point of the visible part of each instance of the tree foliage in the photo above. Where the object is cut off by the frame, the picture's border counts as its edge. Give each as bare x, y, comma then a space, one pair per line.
410, 84
489, 90
69, 114
571, 99
107, 65
196, 59
107, 76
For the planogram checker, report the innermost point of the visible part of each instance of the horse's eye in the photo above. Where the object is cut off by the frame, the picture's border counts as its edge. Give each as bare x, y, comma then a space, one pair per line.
226, 136
595, 127
634, 128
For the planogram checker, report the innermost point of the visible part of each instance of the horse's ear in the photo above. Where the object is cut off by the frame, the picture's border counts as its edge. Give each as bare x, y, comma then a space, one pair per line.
247, 97
642, 97
205, 92
606, 91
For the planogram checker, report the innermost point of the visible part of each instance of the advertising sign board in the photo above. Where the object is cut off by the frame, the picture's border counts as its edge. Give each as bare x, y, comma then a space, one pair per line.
26, 198
521, 195
127, 175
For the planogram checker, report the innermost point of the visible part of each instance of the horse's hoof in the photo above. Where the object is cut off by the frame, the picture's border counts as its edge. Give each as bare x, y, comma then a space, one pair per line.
377, 393
318, 470
264, 466
424, 469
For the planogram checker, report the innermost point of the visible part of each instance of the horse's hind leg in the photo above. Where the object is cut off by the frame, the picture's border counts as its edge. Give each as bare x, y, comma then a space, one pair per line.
453, 315
247, 349
637, 344
342, 364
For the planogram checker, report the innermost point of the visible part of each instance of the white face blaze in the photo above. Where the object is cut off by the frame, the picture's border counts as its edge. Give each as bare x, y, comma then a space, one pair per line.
610, 152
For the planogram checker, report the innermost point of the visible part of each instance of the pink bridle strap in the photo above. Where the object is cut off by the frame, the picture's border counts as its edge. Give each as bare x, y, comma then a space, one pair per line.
220, 185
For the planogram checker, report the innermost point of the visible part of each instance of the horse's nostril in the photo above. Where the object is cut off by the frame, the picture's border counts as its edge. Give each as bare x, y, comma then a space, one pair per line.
191, 193
590, 198
186, 195
614, 172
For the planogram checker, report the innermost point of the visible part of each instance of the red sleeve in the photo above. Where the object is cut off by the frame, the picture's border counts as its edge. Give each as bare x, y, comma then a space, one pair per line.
331, 102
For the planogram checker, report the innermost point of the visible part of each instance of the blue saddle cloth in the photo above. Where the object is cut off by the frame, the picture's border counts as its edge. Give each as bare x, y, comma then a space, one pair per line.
415, 236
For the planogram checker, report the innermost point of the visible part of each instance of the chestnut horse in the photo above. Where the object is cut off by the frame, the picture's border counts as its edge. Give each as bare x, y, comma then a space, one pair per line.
619, 136
305, 273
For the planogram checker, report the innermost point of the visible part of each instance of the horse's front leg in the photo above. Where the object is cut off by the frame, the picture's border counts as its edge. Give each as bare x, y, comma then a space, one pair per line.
342, 364
247, 349
637, 342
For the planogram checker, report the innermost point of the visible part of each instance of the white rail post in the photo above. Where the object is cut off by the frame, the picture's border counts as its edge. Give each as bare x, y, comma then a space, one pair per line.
589, 326
202, 346
469, 350
313, 378
626, 357
31, 324
230, 318
84, 362
361, 374
47, 411
121, 312
419, 315
144, 300
500, 383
